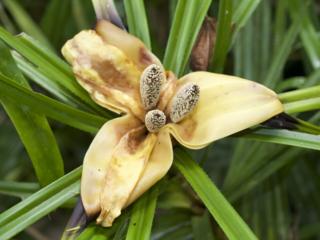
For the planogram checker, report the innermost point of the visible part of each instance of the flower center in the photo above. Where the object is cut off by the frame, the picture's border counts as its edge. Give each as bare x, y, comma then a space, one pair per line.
151, 81
182, 103
154, 120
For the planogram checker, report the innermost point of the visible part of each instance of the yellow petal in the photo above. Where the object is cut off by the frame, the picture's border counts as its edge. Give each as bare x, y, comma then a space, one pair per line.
132, 46
158, 165
105, 72
227, 105
128, 161
97, 159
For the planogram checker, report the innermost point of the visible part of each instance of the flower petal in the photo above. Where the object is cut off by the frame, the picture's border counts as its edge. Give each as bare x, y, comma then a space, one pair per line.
97, 159
227, 105
105, 72
158, 165
132, 46
128, 161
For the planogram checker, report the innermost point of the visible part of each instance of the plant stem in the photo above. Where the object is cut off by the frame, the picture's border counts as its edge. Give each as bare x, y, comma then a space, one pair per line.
302, 105
301, 94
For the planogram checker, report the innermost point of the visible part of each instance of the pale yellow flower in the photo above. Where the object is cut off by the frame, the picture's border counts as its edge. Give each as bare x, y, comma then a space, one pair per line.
131, 153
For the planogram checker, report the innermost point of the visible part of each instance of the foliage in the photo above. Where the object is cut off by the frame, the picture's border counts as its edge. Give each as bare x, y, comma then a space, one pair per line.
259, 184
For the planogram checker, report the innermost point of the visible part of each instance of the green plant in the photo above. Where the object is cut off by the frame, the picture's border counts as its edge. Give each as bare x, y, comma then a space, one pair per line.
270, 177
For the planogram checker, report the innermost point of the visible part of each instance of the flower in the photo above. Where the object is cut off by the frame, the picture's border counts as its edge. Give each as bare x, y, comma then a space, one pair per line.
131, 153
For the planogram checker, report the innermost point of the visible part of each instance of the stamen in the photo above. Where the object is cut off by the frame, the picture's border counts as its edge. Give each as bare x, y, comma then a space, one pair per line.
154, 120
151, 81
184, 102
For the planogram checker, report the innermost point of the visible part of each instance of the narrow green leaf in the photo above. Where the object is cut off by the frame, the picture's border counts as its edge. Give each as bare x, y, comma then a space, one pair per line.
142, 216
202, 227
261, 171
291, 138
37, 198
281, 55
35, 74
138, 26
44, 105
300, 94
33, 129
187, 22
79, 15
23, 221
310, 40
116, 232
25, 22
302, 105
313, 78
291, 83
224, 31
5, 20
18, 189
228, 219
280, 23
55, 19
53, 67
243, 11
263, 38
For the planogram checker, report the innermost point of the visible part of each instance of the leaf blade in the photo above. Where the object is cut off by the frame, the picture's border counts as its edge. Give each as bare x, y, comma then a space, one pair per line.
33, 129
142, 216
228, 219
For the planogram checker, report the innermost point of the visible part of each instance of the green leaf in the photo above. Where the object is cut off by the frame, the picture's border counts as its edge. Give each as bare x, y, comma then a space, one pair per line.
35, 74
224, 32
302, 105
256, 172
291, 83
44, 105
18, 189
33, 129
25, 22
281, 55
138, 26
53, 67
187, 22
79, 14
310, 40
202, 228
55, 19
5, 20
243, 11
227, 218
142, 215
116, 232
300, 94
28, 211
291, 138
20, 223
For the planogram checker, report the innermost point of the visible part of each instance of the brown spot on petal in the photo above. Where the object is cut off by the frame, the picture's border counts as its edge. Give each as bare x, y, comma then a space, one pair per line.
112, 78
189, 126
105, 65
135, 138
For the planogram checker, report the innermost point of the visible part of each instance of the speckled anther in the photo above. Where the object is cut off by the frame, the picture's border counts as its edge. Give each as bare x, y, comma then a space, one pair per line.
151, 81
184, 102
154, 120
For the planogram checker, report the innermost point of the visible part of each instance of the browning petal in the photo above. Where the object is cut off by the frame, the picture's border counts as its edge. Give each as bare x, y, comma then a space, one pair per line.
158, 165
97, 159
132, 46
128, 161
227, 105
105, 72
